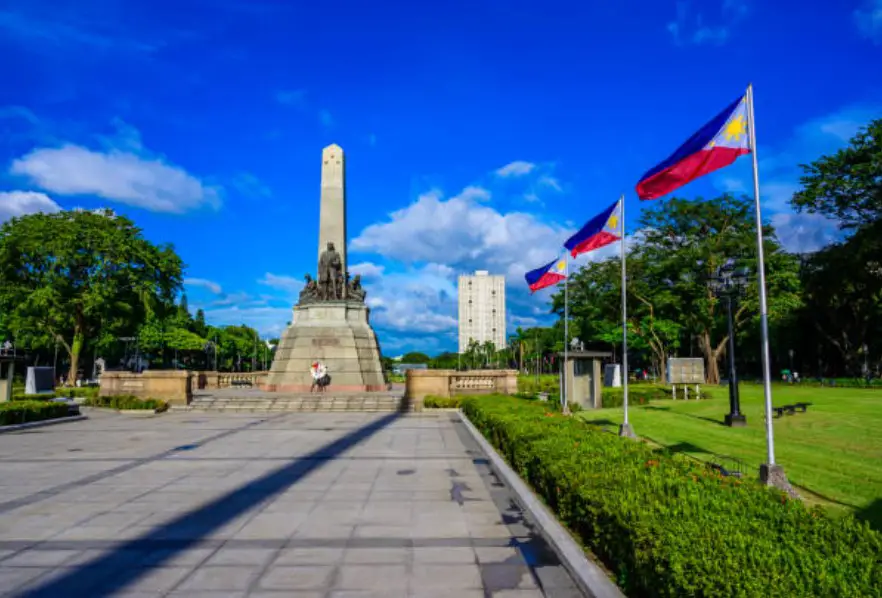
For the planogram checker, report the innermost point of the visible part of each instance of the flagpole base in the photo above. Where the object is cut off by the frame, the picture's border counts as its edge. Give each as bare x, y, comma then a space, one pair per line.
626, 431
774, 476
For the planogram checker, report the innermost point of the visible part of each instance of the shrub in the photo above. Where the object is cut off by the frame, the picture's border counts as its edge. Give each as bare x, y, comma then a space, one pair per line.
24, 397
668, 526
126, 402
20, 412
88, 392
433, 402
641, 394
549, 383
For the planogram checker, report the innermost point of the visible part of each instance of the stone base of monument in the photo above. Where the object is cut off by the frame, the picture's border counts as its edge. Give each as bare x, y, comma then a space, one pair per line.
339, 335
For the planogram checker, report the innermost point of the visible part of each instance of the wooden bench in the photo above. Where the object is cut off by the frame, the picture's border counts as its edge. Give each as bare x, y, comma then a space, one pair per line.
241, 383
791, 409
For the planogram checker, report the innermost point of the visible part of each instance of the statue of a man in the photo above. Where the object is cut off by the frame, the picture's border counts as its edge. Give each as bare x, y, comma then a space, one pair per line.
310, 290
356, 291
330, 270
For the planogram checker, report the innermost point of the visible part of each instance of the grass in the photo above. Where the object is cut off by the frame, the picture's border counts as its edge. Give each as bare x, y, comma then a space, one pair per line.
834, 450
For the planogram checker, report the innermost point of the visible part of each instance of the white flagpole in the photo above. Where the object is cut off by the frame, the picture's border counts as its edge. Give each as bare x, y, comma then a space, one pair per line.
565, 365
625, 429
769, 472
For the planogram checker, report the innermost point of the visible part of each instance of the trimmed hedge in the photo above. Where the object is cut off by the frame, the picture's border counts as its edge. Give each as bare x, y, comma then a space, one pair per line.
24, 397
668, 526
433, 402
641, 394
88, 392
126, 402
20, 412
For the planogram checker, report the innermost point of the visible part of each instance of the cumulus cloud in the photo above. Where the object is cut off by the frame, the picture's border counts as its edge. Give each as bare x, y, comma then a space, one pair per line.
20, 203
367, 270
204, 283
123, 172
418, 300
463, 234
516, 168
868, 19
804, 233
282, 282
250, 186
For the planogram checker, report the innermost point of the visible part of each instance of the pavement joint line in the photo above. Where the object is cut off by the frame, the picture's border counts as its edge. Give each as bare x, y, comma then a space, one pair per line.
590, 577
11, 505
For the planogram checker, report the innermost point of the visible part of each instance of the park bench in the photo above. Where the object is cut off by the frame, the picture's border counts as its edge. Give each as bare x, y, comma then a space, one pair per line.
241, 383
791, 409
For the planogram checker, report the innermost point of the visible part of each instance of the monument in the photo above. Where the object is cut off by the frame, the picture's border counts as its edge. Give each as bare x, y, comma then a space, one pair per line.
331, 321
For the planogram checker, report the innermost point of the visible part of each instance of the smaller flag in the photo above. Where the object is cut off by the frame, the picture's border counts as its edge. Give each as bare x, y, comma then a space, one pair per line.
603, 229
716, 145
549, 274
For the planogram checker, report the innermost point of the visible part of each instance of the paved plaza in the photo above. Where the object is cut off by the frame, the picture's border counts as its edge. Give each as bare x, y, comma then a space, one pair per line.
292, 504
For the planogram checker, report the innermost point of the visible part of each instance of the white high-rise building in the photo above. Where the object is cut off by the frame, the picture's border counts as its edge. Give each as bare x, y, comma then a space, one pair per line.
481, 309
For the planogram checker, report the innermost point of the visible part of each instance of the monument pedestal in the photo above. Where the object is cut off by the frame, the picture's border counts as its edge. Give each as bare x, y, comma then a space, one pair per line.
336, 333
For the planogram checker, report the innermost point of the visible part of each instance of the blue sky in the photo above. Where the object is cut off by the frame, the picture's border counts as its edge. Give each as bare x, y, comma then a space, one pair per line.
478, 135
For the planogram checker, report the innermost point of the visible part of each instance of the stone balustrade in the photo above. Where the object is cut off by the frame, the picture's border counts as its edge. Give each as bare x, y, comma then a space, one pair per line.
173, 386
447, 383
215, 380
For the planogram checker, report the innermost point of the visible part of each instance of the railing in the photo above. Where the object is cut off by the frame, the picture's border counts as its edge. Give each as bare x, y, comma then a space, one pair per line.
466, 384
213, 380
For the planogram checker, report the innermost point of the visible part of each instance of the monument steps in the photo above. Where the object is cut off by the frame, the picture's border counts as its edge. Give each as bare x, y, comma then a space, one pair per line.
310, 403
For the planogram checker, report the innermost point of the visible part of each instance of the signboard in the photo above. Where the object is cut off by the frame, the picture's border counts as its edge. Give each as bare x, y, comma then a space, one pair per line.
40, 381
686, 370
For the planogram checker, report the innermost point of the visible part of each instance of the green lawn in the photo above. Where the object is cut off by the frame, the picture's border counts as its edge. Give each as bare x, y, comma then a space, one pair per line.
834, 450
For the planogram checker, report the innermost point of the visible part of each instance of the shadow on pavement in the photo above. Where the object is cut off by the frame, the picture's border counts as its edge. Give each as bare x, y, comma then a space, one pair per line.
111, 573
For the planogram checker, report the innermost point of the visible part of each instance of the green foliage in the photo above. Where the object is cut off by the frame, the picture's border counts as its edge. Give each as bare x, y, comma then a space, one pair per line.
668, 526
549, 383
445, 361
74, 277
126, 402
642, 394
20, 412
24, 397
85, 392
415, 357
848, 184
433, 402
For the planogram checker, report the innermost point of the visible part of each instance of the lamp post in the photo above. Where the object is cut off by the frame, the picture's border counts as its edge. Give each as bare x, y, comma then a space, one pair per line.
728, 282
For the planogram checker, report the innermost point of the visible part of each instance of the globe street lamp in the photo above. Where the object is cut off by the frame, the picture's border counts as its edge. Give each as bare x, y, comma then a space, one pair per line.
729, 282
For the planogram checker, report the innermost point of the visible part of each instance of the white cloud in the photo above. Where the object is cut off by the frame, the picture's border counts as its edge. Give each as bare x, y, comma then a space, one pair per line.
325, 118
418, 300
19, 203
280, 282
516, 168
868, 19
465, 235
124, 173
17, 112
205, 284
367, 270
551, 182
692, 26
803, 233
474, 193
250, 186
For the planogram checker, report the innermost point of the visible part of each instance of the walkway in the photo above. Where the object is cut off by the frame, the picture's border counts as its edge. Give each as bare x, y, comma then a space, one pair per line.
299, 505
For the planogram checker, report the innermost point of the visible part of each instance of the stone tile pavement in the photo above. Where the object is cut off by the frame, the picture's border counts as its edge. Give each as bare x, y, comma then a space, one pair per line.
294, 504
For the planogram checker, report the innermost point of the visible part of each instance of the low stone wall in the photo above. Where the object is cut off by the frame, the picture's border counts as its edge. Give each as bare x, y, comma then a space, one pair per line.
215, 380
172, 386
447, 383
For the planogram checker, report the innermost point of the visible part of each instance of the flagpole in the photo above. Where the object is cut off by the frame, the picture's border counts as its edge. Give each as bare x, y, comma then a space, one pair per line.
625, 429
770, 473
565, 398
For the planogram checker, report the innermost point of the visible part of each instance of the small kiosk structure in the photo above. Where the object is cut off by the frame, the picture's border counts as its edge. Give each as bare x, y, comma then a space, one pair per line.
583, 372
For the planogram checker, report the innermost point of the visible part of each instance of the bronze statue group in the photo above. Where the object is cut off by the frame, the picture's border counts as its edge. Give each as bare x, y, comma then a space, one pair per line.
333, 283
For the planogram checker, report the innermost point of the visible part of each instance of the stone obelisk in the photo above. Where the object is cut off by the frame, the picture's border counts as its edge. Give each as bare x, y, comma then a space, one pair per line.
332, 217
331, 322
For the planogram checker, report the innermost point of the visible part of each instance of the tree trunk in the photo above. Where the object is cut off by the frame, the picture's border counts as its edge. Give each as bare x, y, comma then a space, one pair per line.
75, 347
710, 358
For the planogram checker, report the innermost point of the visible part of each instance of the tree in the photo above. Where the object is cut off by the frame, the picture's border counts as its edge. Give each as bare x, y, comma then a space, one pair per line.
685, 242
848, 184
415, 357
77, 276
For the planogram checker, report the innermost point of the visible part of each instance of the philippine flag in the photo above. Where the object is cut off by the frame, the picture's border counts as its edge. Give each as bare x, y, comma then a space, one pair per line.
603, 229
548, 275
719, 143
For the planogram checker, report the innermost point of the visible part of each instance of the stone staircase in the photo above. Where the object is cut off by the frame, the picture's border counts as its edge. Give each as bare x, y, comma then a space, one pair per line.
302, 402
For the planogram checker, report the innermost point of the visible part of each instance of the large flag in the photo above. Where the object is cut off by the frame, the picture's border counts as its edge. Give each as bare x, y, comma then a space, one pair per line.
719, 143
549, 274
603, 229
